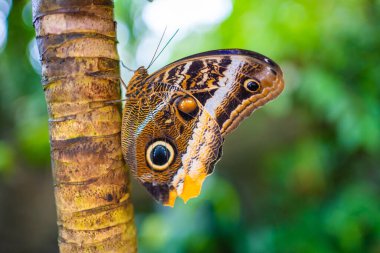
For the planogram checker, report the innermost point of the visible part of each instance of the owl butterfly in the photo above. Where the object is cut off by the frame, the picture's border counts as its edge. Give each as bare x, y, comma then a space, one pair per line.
175, 120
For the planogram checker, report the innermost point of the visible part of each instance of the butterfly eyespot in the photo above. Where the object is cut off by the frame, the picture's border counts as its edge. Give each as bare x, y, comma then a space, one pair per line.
251, 85
187, 107
160, 155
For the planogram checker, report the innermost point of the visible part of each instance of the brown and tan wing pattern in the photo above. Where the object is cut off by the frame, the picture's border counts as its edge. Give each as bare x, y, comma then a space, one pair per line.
193, 141
174, 120
216, 79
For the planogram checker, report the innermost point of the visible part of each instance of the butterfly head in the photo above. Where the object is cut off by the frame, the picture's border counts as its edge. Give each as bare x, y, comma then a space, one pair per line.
137, 80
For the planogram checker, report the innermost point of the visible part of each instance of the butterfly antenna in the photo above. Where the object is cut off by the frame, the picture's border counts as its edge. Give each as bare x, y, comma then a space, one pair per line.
125, 66
158, 46
167, 43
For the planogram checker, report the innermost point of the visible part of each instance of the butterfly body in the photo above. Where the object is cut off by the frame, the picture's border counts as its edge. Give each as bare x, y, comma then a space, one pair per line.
175, 120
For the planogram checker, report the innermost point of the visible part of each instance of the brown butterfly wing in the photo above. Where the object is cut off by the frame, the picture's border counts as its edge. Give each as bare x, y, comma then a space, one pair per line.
216, 79
195, 142
227, 86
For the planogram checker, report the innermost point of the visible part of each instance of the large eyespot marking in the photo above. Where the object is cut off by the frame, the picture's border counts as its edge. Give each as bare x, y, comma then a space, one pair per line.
187, 107
251, 85
159, 155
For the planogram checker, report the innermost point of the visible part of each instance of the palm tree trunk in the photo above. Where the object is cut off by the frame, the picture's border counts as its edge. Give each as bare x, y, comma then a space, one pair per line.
80, 69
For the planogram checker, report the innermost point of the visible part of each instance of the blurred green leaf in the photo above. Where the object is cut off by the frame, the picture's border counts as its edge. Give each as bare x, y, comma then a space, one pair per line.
33, 140
6, 158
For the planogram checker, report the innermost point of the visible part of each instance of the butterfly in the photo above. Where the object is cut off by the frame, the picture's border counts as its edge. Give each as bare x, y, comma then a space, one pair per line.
175, 120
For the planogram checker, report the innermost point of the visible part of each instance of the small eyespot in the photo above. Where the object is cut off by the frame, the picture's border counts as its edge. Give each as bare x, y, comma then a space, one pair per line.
251, 85
187, 107
159, 155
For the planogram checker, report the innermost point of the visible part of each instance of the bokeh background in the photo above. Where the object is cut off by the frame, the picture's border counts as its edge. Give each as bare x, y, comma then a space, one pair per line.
301, 175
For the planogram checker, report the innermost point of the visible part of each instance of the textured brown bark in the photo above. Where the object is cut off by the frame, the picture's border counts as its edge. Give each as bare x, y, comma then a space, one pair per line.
80, 69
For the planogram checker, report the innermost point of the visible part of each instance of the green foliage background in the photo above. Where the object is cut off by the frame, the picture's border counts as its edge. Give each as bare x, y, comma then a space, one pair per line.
301, 175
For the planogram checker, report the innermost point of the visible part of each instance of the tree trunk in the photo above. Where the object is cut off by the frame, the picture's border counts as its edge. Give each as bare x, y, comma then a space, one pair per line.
80, 69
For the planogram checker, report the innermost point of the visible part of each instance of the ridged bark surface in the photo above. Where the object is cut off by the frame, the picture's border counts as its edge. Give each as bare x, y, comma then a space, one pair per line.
80, 69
